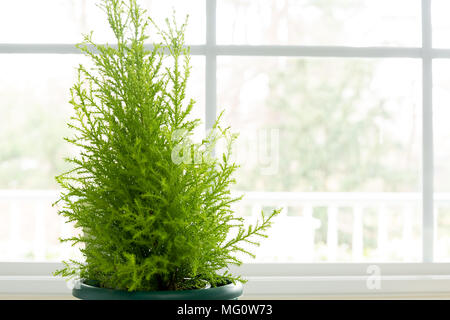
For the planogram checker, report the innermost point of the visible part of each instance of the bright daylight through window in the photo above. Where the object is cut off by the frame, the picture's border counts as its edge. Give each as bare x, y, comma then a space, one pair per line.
333, 101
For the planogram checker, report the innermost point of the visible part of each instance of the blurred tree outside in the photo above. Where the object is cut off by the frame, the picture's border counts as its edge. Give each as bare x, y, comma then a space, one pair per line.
333, 127
31, 133
329, 139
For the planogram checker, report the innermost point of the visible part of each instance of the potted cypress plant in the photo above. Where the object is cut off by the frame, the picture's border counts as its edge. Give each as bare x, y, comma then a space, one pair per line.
153, 207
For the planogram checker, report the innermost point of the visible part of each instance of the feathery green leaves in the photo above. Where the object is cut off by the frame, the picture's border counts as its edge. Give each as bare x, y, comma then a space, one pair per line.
147, 222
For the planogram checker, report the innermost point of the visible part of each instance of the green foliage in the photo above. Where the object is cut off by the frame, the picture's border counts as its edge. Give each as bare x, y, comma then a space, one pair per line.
147, 222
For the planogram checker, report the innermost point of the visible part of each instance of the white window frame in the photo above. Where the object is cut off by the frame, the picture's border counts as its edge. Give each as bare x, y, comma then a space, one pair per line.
290, 279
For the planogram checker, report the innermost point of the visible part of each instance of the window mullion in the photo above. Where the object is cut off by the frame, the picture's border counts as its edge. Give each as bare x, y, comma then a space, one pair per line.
427, 136
211, 65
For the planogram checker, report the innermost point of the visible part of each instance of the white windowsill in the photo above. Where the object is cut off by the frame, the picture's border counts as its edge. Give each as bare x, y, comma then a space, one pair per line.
328, 287
268, 280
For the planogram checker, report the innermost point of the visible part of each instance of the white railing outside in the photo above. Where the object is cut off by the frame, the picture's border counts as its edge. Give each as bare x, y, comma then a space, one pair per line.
30, 226
292, 237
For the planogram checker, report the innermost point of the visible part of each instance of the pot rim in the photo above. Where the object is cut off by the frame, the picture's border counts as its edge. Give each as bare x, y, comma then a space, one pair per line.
87, 291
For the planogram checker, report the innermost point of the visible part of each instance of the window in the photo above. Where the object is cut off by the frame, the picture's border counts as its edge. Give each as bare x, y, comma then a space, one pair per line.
37, 69
341, 108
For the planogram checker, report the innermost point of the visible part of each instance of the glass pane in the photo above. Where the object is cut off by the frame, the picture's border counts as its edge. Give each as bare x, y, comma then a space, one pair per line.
34, 91
310, 22
34, 108
441, 112
336, 142
441, 23
31, 21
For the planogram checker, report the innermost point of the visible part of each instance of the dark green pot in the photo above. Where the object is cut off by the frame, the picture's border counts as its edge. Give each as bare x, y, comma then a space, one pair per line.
86, 290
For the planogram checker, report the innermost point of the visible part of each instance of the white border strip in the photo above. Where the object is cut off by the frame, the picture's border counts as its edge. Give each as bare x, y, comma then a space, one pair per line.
34, 285
271, 287
339, 269
269, 280
342, 286
46, 269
